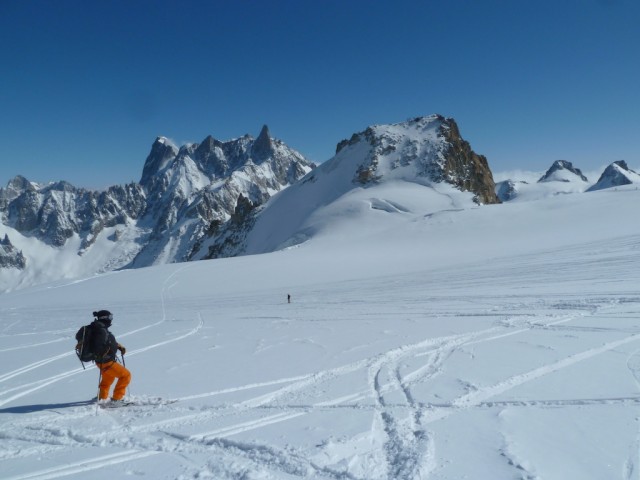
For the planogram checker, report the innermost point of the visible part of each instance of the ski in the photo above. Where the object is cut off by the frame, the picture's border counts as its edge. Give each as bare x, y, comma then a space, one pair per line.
136, 402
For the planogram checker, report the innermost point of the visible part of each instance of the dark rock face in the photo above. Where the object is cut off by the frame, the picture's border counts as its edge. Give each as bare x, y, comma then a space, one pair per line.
464, 168
262, 148
557, 168
506, 190
161, 153
10, 257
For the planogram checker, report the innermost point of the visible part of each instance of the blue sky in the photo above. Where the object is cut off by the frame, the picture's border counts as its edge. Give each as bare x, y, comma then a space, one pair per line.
86, 87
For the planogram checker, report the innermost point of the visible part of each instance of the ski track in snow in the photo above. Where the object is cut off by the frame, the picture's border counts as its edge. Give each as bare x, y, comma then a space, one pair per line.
408, 449
401, 420
633, 462
84, 466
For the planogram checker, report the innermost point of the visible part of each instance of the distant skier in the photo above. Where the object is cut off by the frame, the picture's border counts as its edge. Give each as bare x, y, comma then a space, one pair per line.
288, 298
106, 347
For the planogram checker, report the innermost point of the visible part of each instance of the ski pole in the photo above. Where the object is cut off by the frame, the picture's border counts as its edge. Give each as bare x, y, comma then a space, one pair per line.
125, 365
81, 362
98, 396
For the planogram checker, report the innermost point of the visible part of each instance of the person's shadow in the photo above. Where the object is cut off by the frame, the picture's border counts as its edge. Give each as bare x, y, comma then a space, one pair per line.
46, 406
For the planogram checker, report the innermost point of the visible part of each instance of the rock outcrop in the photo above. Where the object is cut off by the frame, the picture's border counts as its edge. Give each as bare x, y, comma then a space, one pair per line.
10, 257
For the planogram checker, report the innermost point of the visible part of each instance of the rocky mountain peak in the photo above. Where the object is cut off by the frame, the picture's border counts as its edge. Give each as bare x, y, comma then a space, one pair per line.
15, 187
207, 146
615, 175
10, 257
262, 146
162, 152
562, 171
429, 147
19, 184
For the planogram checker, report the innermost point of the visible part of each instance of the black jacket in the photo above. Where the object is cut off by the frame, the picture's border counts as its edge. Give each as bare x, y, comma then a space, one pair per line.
103, 343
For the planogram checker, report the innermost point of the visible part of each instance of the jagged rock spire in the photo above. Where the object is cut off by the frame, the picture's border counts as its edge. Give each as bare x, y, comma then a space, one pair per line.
262, 147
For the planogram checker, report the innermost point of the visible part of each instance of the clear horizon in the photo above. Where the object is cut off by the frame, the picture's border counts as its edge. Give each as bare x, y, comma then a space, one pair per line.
87, 88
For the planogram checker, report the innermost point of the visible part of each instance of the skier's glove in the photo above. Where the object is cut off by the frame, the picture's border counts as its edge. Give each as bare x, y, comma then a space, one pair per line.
122, 349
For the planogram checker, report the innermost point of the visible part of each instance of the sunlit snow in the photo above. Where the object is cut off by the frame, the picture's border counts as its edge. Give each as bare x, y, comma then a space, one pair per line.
443, 342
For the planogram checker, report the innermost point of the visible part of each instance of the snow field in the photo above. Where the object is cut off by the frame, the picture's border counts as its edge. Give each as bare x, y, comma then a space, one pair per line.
519, 361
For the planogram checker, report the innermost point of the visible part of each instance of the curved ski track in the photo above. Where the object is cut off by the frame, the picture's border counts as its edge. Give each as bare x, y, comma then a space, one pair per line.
408, 450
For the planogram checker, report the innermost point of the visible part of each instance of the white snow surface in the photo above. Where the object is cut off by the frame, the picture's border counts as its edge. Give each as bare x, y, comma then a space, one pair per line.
423, 341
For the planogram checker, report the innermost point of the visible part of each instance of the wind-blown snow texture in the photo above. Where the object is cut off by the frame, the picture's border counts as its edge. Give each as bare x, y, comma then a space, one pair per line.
448, 342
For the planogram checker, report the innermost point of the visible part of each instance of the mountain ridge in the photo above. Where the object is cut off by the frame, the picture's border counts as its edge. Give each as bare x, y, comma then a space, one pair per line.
425, 151
249, 195
182, 192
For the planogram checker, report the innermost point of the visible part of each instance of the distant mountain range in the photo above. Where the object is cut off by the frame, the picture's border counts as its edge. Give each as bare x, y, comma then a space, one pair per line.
243, 196
562, 178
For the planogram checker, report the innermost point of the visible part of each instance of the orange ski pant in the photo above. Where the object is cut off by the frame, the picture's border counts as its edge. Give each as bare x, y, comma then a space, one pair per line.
110, 371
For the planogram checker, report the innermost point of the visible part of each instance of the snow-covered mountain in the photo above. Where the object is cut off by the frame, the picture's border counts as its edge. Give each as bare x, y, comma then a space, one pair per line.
202, 200
194, 191
185, 194
55, 212
427, 156
563, 171
616, 175
254, 195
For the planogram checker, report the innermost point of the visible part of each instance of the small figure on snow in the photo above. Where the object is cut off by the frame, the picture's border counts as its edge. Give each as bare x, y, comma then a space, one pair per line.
106, 348
288, 298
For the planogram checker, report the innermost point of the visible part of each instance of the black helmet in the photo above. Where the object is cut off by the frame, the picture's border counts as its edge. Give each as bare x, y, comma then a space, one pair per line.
104, 316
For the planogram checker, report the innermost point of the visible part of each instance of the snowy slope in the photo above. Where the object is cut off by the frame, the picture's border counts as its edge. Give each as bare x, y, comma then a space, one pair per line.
471, 342
47, 263
386, 174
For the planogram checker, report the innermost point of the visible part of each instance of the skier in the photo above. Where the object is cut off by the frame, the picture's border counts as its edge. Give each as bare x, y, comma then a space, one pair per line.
288, 298
106, 347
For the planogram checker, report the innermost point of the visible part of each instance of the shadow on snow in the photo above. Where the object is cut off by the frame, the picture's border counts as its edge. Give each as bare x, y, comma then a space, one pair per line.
45, 406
